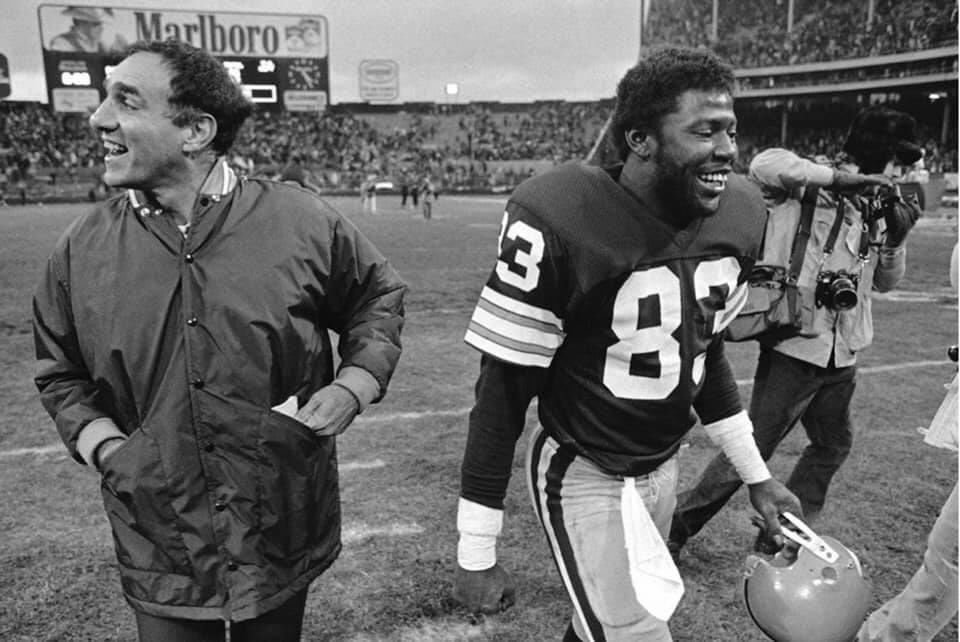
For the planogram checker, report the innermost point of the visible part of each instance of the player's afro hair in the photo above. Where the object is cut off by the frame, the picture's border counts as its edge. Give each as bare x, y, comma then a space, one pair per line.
879, 134
651, 89
201, 84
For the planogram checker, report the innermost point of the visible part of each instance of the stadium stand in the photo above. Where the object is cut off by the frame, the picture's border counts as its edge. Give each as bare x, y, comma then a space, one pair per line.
755, 34
493, 146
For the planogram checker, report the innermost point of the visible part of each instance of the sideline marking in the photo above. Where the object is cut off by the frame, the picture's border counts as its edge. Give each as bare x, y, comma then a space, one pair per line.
354, 534
39, 450
362, 465
456, 412
909, 296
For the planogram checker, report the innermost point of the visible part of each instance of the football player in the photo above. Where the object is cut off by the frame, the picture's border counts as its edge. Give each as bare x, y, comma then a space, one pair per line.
607, 302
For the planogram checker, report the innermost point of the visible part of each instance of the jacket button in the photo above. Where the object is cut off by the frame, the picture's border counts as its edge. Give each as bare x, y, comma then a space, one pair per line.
192, 321
188, 258
232, 566
220, 505
197, 383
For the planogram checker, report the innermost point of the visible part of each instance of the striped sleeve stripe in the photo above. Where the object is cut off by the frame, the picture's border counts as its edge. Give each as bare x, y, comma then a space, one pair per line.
516, 335
520, 308
514, 331
504, 336
504, 353
738, 298
515, 326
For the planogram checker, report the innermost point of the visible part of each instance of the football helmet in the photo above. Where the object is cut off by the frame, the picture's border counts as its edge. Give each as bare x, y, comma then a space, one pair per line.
821, 596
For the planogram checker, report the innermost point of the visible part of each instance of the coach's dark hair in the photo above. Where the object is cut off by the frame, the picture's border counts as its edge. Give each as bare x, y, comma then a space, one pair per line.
200, 84
651, 89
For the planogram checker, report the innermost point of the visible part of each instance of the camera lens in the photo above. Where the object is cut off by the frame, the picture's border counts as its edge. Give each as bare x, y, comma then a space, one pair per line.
844, 294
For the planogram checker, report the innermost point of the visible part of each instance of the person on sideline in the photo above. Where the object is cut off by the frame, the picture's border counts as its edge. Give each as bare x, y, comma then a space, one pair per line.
608, 301
929, 600
182, 337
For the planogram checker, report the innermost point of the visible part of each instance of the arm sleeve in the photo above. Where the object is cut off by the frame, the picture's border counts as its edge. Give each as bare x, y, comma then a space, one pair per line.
67, 390
503, 394
719, 397
364, 305
781, 172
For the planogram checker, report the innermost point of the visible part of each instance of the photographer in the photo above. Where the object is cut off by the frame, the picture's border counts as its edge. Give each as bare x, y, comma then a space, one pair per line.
856, 245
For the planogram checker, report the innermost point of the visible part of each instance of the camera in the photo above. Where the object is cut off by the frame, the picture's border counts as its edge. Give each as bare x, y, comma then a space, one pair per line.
836, 290
882, 203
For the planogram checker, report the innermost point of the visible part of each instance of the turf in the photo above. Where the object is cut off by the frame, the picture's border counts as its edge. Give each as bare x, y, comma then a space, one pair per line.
401, 460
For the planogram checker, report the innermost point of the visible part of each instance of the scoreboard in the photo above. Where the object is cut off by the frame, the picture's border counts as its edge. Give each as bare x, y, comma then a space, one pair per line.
280, 60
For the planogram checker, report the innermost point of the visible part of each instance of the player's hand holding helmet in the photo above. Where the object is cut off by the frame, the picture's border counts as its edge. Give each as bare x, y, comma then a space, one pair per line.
771, 499
821, 596
488, 591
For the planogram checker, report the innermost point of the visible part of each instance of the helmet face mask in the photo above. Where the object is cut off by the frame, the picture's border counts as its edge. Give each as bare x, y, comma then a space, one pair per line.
811, 599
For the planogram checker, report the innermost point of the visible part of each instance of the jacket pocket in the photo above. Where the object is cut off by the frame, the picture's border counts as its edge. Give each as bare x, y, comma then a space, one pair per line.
137, 501
298, 486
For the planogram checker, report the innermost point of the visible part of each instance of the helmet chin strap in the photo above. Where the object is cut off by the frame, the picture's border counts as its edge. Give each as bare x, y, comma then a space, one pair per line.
808, 539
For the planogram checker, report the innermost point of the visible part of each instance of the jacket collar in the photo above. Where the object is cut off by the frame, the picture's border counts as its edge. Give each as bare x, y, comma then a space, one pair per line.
219, 182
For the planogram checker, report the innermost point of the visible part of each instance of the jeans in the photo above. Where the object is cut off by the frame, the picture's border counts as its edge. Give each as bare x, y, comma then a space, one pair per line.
579, 505
785, 391
929, 599
283, 624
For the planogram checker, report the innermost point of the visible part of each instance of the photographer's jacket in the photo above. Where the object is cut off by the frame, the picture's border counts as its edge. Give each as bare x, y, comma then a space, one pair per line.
782, 176
220, 507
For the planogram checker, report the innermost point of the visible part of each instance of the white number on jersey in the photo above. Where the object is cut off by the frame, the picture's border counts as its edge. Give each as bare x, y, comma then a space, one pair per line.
529, 261
657, 339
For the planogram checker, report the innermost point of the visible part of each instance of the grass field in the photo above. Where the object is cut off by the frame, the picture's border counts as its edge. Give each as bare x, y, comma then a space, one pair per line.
401, 460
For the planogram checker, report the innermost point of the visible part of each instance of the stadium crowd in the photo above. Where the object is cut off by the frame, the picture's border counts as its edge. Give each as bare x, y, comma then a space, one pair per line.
755, 34
493, 145
479, 148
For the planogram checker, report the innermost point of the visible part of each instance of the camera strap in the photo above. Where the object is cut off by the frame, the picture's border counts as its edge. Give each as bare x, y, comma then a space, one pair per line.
808, 203
835, 228
863, 252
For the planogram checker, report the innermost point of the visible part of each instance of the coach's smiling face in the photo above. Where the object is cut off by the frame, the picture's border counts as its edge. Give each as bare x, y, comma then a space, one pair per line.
144, 148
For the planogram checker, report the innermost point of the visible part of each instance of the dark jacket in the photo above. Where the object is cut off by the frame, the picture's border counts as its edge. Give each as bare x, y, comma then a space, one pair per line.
219, 506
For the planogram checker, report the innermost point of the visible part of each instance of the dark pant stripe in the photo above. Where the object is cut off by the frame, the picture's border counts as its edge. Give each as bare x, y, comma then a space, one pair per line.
559, 463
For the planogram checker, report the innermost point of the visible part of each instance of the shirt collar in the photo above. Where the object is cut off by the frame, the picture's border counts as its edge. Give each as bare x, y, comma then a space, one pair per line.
219, 182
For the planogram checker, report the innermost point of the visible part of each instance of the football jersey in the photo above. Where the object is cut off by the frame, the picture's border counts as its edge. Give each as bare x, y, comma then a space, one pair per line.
618, 306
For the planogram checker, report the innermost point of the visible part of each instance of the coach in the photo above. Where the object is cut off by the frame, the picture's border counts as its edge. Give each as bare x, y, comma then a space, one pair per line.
182, 337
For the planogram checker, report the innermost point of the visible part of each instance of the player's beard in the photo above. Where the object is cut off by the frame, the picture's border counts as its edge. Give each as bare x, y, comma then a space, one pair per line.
677, 190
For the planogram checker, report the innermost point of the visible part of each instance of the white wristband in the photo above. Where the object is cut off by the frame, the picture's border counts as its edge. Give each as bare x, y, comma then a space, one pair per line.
479, 527
734, 436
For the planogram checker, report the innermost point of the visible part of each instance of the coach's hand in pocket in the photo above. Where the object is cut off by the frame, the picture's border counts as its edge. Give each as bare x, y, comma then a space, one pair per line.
329, 411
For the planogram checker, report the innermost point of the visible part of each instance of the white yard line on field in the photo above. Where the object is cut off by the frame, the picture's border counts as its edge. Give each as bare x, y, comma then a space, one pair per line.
357, 533
362, 465
944, 296
456, 412
40, 450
